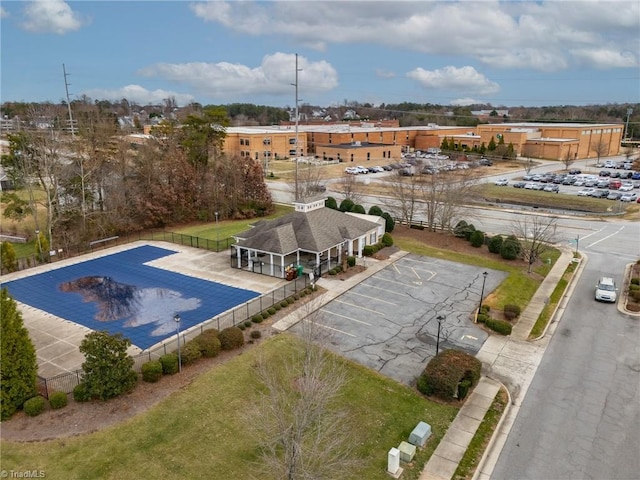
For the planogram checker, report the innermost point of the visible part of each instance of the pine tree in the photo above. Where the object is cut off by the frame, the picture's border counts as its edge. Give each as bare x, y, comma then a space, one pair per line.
17, 357
8, 262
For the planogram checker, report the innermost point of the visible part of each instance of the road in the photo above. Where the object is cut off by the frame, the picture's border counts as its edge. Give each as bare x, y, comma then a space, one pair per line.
580, 417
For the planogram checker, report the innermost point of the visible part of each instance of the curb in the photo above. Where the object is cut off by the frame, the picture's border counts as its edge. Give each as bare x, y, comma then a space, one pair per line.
624, 293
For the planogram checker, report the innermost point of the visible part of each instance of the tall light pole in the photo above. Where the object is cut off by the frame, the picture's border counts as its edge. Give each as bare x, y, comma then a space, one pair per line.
176, 318
297, 115
626, 129
440, 319
484, 279
217, 233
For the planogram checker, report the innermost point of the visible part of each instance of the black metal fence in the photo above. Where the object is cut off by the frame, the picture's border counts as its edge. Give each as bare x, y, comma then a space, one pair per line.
66, 382
70, 251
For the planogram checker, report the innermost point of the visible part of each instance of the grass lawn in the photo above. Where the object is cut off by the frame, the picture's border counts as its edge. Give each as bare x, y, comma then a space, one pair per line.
199, 432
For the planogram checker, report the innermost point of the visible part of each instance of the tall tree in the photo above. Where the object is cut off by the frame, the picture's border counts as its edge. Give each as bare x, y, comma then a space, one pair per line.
18, 358
536, 234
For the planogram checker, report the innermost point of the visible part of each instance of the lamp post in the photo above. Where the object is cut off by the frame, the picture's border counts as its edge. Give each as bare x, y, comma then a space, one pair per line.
440, 319
217, 233
484, 279
176, 318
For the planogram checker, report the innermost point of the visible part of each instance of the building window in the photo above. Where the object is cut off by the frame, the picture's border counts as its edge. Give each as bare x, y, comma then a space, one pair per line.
266, 141
368, 156
292, 141
372, 239
292, 152
242, 141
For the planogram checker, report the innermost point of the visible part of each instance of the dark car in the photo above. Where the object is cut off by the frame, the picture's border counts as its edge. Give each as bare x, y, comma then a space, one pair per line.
519, 184
615, 175
635, 176
626, 175
575, 171
604, 173
603, 184
569, 181
601, 194
485, 162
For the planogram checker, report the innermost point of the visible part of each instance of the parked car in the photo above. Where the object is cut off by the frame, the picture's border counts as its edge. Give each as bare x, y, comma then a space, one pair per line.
502, 182
586, 192
603, 184
519, 184
615, 175
553, 188
530, 186
569, 181
604, 173
387, 168
615, 184
538, 186
626, 175
527, 177
635, 176
626, 187
629, 197
351, 170
609, 164
606, 290
590, 183
614, 196
575, 171
600, 194
485, 162
579, 182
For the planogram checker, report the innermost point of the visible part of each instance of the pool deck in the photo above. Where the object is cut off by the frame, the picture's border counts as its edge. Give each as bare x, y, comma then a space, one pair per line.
57, 340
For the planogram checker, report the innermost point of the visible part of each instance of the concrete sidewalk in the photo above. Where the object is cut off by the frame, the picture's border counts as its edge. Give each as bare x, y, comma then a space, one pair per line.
510, 361
507, 361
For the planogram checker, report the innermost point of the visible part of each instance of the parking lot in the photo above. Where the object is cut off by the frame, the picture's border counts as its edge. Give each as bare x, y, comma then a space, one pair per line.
389, 322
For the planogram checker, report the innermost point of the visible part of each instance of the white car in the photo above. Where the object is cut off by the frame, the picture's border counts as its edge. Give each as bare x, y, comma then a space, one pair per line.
502, 182
606, 290
530, 186
586, 192
629, 197
626, 187
351, 170
609, 164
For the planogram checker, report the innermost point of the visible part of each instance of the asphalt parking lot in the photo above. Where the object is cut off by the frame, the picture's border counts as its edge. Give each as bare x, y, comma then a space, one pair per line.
389, 321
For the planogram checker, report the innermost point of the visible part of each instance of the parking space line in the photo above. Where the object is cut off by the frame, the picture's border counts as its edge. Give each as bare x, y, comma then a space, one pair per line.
385, 290
324, 310
372, 298
395, 267
415, 273
608, 236
361, 307
399, 283
334, 329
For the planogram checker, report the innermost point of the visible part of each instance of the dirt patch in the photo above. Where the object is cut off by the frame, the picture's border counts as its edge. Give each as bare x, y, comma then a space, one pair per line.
79, 418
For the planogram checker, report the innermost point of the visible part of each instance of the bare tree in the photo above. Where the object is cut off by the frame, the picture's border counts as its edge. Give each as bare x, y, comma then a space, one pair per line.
568, 160
350, 187
302, 433
405, 192
536, 233
528, 166
454, 194
600, 147
310, 180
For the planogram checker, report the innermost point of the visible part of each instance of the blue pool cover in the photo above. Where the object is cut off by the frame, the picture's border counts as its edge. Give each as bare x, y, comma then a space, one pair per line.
119, 294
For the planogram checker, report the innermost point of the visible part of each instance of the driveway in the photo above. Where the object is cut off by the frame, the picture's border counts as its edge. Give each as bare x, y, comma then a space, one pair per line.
389, 322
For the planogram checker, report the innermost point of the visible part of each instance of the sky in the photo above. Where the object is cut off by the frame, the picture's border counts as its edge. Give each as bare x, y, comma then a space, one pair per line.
503, 53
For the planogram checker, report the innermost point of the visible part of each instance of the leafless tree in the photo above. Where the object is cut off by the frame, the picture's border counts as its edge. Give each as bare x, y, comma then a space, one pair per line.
536, 233
301, 431
405, 193
310, 180
600, 148
350, 187
568, 160
528, 166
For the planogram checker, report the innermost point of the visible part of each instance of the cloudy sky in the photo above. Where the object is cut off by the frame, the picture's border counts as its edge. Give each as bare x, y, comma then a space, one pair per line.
506, 53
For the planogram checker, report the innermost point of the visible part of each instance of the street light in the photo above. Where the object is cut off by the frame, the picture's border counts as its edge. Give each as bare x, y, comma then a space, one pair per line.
217, 233
440, 319
176, 318
484, 279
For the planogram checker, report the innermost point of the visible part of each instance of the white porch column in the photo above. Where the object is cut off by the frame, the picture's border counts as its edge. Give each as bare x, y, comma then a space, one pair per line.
271, 265
238, 257
282, 275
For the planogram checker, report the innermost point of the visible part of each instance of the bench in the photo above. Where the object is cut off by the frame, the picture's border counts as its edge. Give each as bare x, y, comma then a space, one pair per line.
103, 240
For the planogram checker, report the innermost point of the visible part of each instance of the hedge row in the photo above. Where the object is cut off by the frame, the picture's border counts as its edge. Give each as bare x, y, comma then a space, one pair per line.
36, 405
508, 248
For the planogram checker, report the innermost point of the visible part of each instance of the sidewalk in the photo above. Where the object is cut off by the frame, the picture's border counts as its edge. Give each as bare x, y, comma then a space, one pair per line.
507, 361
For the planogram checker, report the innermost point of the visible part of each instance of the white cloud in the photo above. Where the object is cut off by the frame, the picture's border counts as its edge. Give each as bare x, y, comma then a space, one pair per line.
274, 76
462, 102
542, 35
465, 79
51, 16
605, 58
138, 94
3, 13
385, 73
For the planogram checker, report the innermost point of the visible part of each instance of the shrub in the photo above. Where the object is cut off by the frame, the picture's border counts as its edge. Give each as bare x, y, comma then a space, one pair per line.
351, 261
256, 334
231, 338
277, 307
416, 227
463, 389
284, 304
333, 272
635, 281
390, 223
241, 326
34, 406
272, 310
485, 309
510, 249
635, 294
633, 287
369, 250
476, 238
190, 352
358, 209
511, 311
58, 400
375, 210
291, 301
331, 203
446, 371
248, 323
169, 363
265, 315
495, 244
257, 318
501, 326
346, 205
80, 393
387, 240
152, 371
469, 231
482, 317
460, 229
303, 294
296, 296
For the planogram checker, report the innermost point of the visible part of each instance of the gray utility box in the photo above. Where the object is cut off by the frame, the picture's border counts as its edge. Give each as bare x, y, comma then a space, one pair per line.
420, 434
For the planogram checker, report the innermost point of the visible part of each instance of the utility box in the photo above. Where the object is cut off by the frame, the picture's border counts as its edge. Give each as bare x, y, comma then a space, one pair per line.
407, 452
393, 463
420, 434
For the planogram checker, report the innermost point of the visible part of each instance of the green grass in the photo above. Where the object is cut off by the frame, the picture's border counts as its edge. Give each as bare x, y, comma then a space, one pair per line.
478, 444
227, 228
554, 300
494, 193
199, 431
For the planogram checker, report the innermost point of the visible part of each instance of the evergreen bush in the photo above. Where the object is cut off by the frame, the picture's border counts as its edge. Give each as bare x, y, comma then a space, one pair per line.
58, 400
190, 352
256, 334
248, 323
485, 308
511, 311
34, 406
169, 363
231, 338
265, 314
80, 393
331, 203
476, 239
495, 244
151, 371
390, 223
272, 310
501, 326
446, 371
482, 317
351, 261
375, 210
635, 281
387, 240
257, 318
510, 249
